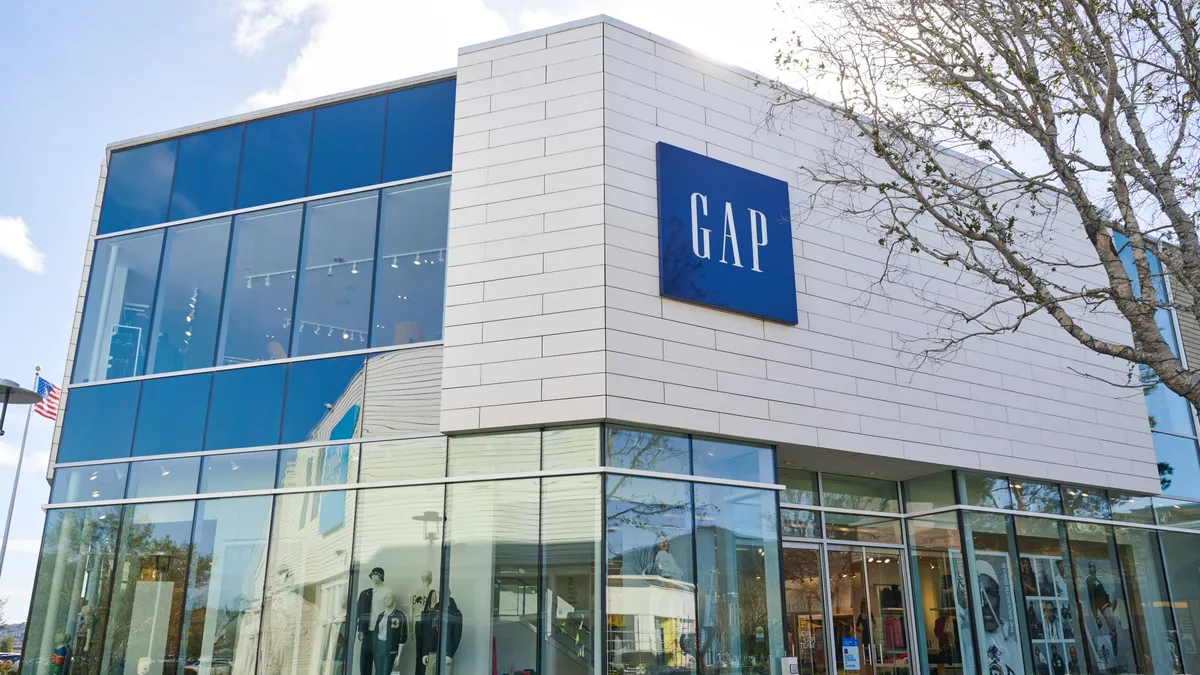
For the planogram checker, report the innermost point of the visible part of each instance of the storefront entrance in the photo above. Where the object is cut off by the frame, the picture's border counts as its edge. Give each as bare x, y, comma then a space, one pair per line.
847, 609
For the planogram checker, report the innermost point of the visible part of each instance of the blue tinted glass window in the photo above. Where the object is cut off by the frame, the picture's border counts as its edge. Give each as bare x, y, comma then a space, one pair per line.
1178, 465
138, 188
324, 398
274, 159
206, 173
719, 459
262, 279
410, 290
98, 422
115, 332
189, 296
234, 473
89, 483
307, 467
333, 303
246, 408
163, 478
171, 416
347, 146
420, 131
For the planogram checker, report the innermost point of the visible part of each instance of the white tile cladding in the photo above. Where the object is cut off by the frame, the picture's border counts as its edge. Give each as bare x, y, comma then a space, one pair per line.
554, 315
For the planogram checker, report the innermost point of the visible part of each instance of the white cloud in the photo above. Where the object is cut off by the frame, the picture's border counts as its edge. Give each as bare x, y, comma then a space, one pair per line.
355, 43
36, 461
16, 245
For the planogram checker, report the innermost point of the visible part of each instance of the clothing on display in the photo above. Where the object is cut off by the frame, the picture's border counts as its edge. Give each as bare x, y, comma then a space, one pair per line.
391, 631
426, 625
370, 606
432, 632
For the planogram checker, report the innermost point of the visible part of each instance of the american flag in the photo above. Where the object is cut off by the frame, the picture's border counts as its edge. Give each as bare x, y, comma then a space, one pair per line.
48, 408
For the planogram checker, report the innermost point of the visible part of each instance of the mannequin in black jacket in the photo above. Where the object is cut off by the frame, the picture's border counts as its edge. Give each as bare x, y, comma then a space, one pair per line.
390, 630
367, 610
433, 634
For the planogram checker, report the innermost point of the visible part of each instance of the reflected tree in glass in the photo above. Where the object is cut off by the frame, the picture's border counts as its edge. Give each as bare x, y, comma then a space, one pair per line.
651, 593
647, 450
69, 606
148, 592
224, 600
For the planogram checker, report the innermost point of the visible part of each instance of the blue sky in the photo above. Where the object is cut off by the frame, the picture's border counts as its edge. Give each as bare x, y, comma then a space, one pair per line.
77, 76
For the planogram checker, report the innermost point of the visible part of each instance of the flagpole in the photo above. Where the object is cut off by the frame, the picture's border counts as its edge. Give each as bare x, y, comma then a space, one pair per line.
12, 501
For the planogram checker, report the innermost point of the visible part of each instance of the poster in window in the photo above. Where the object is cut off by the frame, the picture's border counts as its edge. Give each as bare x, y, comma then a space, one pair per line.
999, 637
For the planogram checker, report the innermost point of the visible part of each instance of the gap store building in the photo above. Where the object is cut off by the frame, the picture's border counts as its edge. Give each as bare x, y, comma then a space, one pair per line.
548, 364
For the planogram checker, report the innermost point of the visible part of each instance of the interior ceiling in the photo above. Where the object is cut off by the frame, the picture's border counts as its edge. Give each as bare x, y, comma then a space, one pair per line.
853, 463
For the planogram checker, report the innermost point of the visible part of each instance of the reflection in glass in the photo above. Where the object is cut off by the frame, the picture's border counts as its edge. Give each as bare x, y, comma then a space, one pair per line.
1181, 552
1177, 513
737, 556
489, 613
407, 459
570, 447
1036, 497
511, 452
940, 603
223, 609
171, 415
305, 606
98, 422
324, 400
238, 472
246, 408
396, 575
651, 594
1131, 508
403, 393
137, 189
274, 159
800, 523
257, 320
733, 461
992, 576
866, 589
347, 145
88, 483
333, 302
801, 487
409, 294
865, 494
975, 489
1178, 465
647, 450
929, 492
805, 625
115, 332
1053, 624
1102, 607
571, 573
163, 478
855, 527
206, 172
1154, 634
147, 598
310, 467
189, 296
69, 607
1085, 502
420, 131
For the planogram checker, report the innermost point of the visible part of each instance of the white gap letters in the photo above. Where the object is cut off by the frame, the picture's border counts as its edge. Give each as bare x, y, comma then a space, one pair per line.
701, 236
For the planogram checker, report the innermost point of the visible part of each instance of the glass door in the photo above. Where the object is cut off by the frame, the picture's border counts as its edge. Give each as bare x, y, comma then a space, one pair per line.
805, 598
868, 604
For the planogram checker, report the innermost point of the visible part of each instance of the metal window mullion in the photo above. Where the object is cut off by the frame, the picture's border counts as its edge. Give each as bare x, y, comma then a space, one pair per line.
696, 628
351, 575
191, 556
1014, 578
967, 551
263, 625
1111, 540
112, 583
375, 264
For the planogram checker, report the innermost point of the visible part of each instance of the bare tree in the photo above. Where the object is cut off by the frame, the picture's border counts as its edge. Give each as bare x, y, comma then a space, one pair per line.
1044, 149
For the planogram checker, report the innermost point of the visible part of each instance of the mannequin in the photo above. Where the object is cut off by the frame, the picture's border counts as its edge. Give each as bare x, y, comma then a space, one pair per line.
433, 634
60, 658
391, 630
370, 604
423, 604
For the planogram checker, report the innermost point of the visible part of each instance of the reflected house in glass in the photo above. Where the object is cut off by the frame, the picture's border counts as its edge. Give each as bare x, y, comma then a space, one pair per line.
386, 381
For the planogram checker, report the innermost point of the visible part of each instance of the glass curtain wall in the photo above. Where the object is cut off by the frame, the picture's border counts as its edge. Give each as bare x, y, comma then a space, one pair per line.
1051, 618
991, 573
803, 570
1181, 552
941, 603
1154, 633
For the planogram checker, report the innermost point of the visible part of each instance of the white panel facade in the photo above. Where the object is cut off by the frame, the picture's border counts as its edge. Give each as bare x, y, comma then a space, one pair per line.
553, 307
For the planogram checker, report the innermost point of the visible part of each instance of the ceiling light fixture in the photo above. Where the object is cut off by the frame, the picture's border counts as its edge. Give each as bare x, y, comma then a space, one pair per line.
394, 265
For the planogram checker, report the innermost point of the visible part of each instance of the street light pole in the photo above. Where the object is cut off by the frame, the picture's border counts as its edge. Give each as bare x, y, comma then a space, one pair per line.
22, 396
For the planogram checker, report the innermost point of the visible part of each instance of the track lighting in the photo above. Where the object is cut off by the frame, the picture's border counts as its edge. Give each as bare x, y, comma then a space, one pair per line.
394, 265
354, 268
